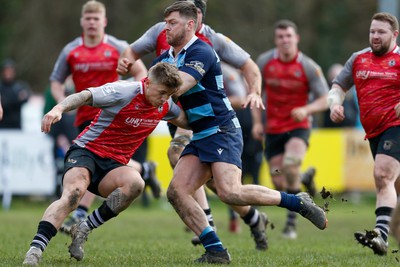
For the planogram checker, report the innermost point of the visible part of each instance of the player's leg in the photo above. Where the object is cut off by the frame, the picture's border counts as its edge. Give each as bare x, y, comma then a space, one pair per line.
295, 150
201, 197
79, 214
180, 192
385, 150
147, 170
75, 182
256, 220
121, 186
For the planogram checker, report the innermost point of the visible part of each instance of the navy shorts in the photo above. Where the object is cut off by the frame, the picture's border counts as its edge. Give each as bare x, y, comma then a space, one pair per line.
98, 167
224, 146
275, 143
387, 143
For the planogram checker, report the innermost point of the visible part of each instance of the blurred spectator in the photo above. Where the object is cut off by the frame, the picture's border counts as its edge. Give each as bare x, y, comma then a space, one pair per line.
14, 94
352, 118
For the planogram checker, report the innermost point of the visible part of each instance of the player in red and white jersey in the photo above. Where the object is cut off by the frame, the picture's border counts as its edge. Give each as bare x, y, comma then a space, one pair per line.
290, 80
375, 72
154, 40
130, 111
91, 60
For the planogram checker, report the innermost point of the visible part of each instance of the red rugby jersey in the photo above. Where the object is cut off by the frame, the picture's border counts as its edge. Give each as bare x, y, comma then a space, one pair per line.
377, 83
288, 85
90, 67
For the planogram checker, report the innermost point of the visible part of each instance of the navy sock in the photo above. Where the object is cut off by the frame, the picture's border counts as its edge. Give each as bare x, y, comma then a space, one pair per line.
290, 201
210, 240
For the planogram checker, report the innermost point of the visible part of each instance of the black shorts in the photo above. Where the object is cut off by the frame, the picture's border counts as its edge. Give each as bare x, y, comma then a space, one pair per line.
275, 143
98, 167
387, 143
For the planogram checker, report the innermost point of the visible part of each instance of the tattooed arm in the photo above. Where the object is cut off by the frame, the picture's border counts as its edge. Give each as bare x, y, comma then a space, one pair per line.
70, 103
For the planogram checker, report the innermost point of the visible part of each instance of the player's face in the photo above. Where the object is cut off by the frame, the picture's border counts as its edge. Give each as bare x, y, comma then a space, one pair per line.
381, 37
286, 41
93, 24
176, 28
157, 94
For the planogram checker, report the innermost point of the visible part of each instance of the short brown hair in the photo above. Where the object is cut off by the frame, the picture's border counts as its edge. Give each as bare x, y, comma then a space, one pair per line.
165, 74
387, 17
93, 6
186, 9
284, 24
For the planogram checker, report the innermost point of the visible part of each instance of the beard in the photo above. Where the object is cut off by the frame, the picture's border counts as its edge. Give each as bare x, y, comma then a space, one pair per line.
381, 50
177, 40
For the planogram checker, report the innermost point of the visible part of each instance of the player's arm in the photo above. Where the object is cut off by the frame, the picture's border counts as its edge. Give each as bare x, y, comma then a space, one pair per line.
188, 82
181, 121
252, 75
138, 70
57, 91
126, 61
70, 103
335, 101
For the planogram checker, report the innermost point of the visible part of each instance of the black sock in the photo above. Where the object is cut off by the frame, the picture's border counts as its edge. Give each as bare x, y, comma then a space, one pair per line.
100, 216
45, 233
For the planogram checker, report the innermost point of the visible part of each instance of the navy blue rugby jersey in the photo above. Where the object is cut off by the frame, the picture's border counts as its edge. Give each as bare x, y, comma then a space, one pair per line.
206, 104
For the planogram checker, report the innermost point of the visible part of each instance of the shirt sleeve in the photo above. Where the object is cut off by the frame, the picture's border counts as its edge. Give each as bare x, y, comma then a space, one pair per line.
61, 69
316, 79
173, 112
111, 94
345, 77
198, 61
147, 43
229, 51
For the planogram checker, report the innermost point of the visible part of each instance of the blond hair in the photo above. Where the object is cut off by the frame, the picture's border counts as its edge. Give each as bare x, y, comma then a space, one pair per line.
93, 6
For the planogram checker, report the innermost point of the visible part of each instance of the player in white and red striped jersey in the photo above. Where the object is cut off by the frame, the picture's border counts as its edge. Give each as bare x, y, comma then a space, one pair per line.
97, 160
375, 73
290, 80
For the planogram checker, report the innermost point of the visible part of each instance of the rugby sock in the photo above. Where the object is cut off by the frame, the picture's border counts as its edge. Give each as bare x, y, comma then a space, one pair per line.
81, 212
210, 240
291, 215
209, 217
44, 234
252, 217
145, 170
100, 216
382, 221
290, 201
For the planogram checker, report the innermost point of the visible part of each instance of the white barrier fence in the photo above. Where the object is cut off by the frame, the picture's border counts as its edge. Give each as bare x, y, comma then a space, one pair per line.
26, 164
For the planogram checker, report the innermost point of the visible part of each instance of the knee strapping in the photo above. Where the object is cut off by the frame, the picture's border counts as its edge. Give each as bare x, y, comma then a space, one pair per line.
291, 161
115, 201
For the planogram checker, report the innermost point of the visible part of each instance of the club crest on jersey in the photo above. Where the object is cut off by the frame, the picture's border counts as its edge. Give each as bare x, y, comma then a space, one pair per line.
160, 109
197, 65
297, 74
107, 53
392, 63
108, 89
387, 145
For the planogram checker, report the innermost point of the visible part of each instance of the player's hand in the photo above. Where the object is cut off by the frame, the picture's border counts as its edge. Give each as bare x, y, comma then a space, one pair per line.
299, 114
258, 131
337, 113
254, 100
50, 118
397, 109
124, 66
